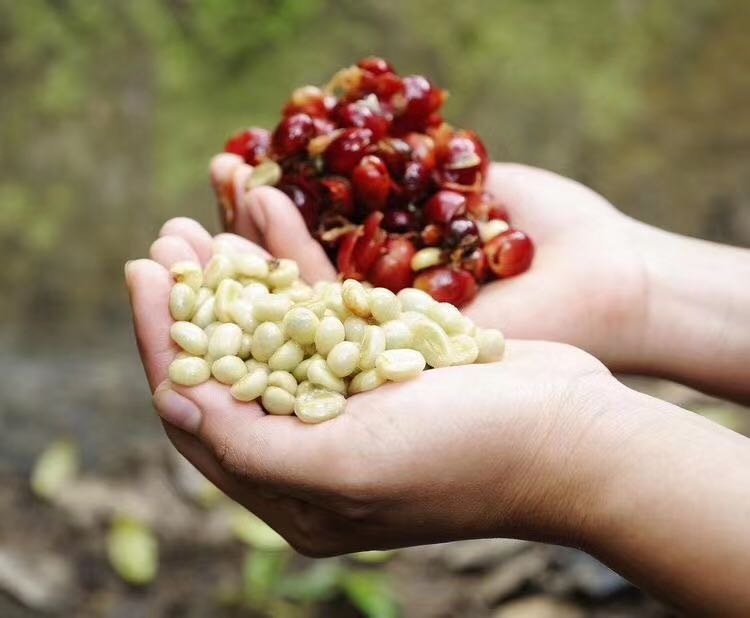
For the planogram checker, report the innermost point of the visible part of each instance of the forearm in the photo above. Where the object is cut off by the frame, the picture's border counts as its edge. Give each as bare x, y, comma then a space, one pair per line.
672, 512
697, 312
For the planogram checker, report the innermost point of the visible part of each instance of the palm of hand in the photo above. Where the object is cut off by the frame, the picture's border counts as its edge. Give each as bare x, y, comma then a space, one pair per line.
585, 286
581, 287
399, 467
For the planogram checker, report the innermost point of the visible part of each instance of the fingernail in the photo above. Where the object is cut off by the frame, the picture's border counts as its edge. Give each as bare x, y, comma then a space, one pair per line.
177, 410
127, 271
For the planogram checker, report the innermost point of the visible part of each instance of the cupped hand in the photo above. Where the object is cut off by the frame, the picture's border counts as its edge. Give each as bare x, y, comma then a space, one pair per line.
462, 452
586, 285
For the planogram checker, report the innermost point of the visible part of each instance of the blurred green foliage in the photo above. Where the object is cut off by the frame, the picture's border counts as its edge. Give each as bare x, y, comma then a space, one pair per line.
110, 111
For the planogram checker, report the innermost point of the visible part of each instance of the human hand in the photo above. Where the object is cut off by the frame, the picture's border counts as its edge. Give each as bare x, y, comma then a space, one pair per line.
544, 445
585, 286
409, 463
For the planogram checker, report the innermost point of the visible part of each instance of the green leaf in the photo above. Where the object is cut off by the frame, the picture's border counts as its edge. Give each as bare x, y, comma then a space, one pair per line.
256, 533
373, 557
371, 594
319, 582
261, 575
55, 468
729, 418
133, 551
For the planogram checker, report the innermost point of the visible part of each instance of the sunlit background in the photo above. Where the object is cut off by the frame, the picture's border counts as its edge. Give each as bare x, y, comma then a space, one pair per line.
109, 113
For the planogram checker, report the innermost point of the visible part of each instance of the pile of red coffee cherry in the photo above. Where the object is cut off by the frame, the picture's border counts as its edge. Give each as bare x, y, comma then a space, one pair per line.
394, 194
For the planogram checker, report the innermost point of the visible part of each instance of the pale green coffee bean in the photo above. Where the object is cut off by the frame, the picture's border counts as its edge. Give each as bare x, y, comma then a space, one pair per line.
319, 287
301, 325
410, 318
287, 357
283, 379
227, 293
267, 338
330, 332
189, 371
228, 369
250, 265
397, 334
373, 345
219, 267
465, 327
424, 258
189, 337
243, 315
225, 340
282, 273
384, 305
355, 298
432, 342
182, 301
183, 354
251, 386
354, 327
413, 299
400, 365
189, 273
203, 295
334, 301
245, 346
300, 371
491, 345
464, 350
319, 373
210, 328
343, 358
254, 290
448, 317
253, 364
271, 308
489, 229
223, 246
298, 292
365, 381
265, 173
317, 306
304, 387
204, 314
318, 404
277, 401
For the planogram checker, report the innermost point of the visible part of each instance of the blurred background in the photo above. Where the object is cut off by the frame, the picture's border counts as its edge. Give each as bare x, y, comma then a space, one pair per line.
109, 112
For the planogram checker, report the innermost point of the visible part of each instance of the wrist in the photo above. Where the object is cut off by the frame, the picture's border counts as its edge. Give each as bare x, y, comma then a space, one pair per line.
567, 465
671, 509
693, 311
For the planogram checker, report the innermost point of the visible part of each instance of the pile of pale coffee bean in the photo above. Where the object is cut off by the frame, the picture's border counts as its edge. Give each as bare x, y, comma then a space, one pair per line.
253, 325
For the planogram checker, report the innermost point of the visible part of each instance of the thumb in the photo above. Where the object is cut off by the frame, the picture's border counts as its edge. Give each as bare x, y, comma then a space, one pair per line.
284, 233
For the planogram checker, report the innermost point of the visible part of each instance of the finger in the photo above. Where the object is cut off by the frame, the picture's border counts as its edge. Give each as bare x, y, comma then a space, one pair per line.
149, 285
541, 201
274, 451
221, 171
284, 232
197, 454
192, 232
519, 306
243, 224
222, 168
276, 510
239, 244
170, 249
